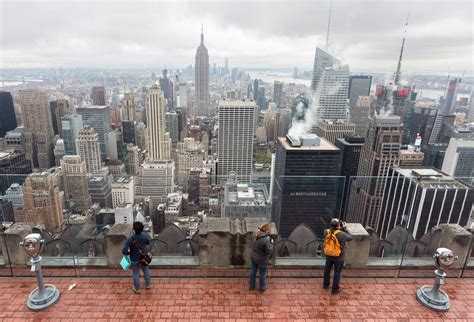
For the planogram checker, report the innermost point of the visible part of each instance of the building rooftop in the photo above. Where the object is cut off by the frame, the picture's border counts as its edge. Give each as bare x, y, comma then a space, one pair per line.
430, 177
5, 154
123, 179
240, 103
94, 107
324, 145
223, 295
387, 119
246, 195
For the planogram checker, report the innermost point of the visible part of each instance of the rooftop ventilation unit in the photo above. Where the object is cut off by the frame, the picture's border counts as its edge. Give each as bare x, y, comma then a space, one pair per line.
305, 140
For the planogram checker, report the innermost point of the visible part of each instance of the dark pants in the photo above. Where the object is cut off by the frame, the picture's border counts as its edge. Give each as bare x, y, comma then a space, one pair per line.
262, 271
337, 273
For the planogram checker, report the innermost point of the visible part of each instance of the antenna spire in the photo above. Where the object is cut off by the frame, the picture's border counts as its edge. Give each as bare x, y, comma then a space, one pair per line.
398, 73
202, 33
329, 26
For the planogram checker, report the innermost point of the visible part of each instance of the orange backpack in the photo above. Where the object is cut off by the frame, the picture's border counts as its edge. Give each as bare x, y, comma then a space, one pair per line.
331, 245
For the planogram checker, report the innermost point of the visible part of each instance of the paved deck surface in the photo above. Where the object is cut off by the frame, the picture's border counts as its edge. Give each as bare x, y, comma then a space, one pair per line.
228, 298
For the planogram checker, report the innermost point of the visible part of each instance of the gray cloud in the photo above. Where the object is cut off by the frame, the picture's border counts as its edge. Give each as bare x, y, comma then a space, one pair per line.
111, 34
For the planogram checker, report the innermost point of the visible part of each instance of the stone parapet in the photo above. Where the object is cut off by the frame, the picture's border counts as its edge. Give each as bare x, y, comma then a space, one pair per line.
457, 239
226, 243
357, 250
114, 241
12, 237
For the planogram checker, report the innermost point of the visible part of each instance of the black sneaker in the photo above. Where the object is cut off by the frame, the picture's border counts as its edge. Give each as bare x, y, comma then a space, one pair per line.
325, 287
337, 291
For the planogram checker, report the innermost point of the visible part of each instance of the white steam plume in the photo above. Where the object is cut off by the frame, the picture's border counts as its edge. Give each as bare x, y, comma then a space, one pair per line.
306, 125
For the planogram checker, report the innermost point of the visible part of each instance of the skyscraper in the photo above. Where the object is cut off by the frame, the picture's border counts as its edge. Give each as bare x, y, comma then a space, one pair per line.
423, 122
38, 125
459, 160
411, 158
98, 95
236, 132
128, 107
359, 85
351, 146
156, 125
422, 198
360, 114
12, 163
168, 91
201, 80
261, 99
59, 151
277, 93
70, 127
7, 111
172, 126
322, 60
332, 131
53, 105
255, 89
381, 151
123, 191
330, 87
62, 109
451, 95
100, 189
42, 198
156, 180
133, 165
331, 94
75, 183
87, 146
97, 117
304, 191
129, 132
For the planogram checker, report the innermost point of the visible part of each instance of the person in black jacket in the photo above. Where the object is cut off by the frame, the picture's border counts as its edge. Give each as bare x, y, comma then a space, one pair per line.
138, 240
339, 227
262, 249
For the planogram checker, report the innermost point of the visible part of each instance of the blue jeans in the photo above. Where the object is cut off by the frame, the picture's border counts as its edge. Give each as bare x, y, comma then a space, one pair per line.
337, 273
262, 271
136, 274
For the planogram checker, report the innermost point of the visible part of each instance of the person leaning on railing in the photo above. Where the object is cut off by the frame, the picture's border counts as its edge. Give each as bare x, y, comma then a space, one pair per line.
335, 250
262, 249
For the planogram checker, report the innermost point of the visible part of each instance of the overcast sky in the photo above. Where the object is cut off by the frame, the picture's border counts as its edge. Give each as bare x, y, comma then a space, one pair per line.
252, 34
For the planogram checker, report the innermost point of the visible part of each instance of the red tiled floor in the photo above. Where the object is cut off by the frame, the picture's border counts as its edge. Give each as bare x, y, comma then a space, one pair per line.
228, 298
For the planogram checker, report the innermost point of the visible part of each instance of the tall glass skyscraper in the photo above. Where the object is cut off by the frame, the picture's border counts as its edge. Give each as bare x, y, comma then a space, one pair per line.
7, 111
98, 118
330, 87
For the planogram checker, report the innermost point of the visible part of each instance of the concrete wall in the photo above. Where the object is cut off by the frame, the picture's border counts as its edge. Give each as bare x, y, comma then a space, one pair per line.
357, 250
15, 255
114, 242
226, 243
222, 242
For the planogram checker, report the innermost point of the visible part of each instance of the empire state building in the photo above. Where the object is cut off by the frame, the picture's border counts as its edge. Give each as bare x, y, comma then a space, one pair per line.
201, 81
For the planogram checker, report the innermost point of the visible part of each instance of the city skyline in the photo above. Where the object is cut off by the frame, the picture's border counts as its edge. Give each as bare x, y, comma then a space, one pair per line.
365, 35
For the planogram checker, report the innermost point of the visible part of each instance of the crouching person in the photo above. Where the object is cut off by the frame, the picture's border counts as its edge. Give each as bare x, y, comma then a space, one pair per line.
334, 249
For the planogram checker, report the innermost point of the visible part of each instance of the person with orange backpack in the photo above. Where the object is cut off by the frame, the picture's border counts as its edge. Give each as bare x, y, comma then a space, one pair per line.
334, 248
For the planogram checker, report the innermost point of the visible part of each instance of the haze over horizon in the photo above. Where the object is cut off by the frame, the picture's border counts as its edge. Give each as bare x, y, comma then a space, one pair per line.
273, 35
